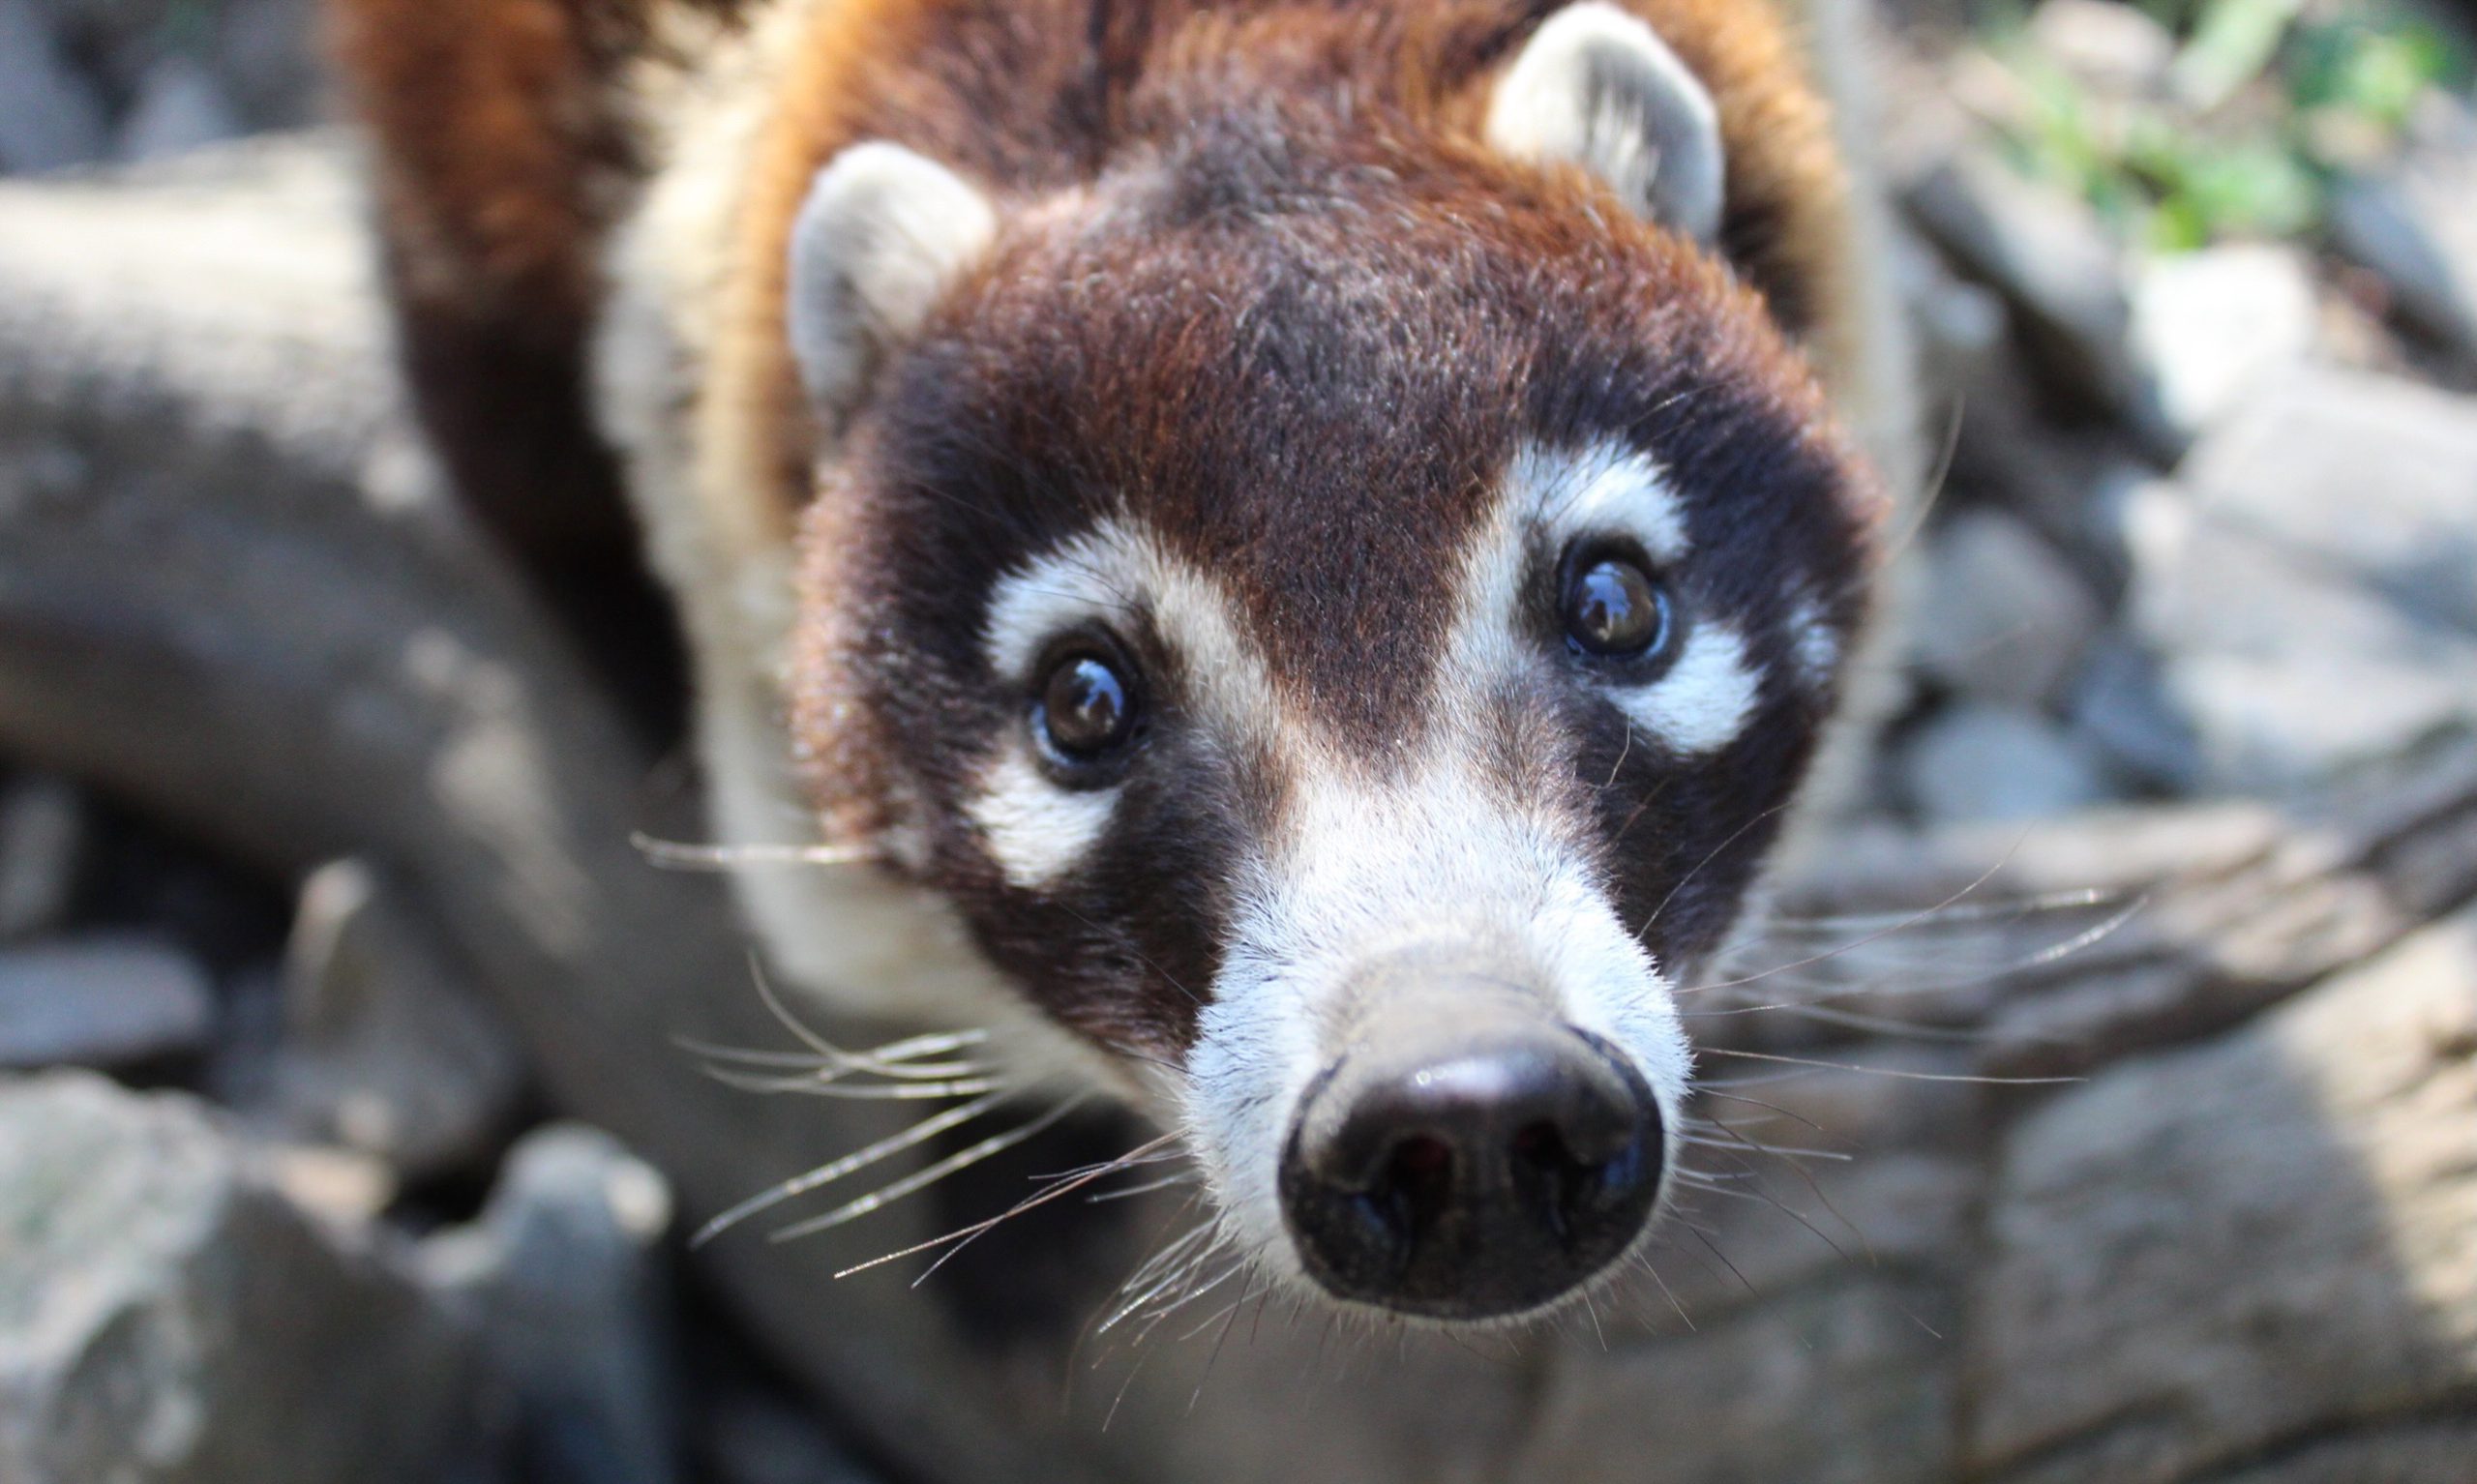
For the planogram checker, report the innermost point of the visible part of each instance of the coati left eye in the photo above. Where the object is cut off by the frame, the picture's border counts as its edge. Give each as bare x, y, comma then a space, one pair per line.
1086, 708
1613, 607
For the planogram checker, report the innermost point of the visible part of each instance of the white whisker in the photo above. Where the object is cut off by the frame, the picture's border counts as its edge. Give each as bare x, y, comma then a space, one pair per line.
859, 1159
687, 855
825, 1085
922, 1178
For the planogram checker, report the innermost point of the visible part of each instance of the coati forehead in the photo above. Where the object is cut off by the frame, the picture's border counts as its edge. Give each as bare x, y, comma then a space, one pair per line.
1038, 95
1310, 380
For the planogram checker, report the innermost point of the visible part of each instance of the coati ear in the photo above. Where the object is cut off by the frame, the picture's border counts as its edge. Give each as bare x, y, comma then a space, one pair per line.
1597, 87
882, 233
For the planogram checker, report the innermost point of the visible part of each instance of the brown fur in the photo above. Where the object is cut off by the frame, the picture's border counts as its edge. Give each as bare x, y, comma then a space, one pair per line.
976, 83
502, 155
505, 151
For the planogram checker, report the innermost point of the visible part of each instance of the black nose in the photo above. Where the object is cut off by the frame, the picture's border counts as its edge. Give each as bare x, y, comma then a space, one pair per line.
1467, 1175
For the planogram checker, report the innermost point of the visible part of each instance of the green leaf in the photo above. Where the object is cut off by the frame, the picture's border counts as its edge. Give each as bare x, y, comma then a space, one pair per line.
2233, 42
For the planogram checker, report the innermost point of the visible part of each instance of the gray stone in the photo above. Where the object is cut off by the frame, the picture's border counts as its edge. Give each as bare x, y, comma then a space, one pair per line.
386, 1051
1962, 325
2047, 254
565, 1275
2117, 49
180, 107
2416, 225
50, 117
2003, 620
1843, 1385
2284, 672
2368, 476
166, 1315
2203, 1253
2376, 1453
751, 1440
103, 1001
2121, 704
1976, 761
2209, 327
42, 838
267, 58
2169, 343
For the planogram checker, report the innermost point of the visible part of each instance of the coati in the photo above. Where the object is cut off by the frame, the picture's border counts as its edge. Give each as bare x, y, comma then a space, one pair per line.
1301, 547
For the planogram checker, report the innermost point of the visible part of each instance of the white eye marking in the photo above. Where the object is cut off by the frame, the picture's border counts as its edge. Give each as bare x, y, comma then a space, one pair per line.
1703, 702
1078, 582
1602, 487
1705, 699
1037, 831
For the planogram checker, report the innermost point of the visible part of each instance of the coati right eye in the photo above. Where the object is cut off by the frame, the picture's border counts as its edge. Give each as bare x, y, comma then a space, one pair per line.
1086, 708
1612, 608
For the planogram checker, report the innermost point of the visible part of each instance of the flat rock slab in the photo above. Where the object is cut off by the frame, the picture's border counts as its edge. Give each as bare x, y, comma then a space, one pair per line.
166, 1315
2369, 477
2287, 666
2201, 1255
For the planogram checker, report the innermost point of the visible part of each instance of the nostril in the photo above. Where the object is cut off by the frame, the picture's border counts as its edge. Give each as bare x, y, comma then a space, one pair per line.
1560, 1180
1420, 1162
1416, 1185
1540, 1147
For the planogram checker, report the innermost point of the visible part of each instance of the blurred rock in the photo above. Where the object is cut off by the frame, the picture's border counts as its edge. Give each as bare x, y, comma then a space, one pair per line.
2210, 326
1854, 1360
180, 107
1974, 762
2002, 618
2369, 476
2114, 48
2122, 705
1961, 325
166, 1316
751, 1440
565, 1275
43, 845
103, 1001
2417, 225
267, 58
2414, 1453
2328, 1153
387, 1051
2052, 260
50, 117
2284, 672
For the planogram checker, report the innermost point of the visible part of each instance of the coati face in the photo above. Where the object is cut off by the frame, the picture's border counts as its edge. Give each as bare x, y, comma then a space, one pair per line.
1338, 610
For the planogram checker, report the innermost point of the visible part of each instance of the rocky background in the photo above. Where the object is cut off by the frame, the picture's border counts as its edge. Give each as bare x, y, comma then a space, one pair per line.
2101, 1104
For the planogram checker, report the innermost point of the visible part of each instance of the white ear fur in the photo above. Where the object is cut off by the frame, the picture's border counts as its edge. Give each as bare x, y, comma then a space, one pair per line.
1597, 87
882, 232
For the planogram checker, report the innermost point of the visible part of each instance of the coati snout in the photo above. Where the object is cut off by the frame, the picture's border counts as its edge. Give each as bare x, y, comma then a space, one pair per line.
1468, 1156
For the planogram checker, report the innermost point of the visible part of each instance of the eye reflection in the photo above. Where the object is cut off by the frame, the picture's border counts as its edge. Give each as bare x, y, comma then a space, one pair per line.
1085, 708
1615, 610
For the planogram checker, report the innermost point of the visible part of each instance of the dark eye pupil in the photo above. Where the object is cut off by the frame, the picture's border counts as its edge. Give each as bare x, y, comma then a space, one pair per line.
1613, 607
1084, 706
